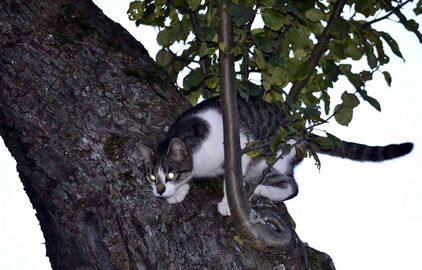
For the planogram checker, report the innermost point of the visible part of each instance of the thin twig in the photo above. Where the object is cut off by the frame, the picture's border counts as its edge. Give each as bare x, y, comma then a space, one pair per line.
264, 173
267, 170
254, 147
325, 121
388, 14
404, 21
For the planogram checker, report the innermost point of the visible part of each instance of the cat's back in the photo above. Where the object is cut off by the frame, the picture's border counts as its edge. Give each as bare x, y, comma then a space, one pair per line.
194, 125
260, 118
257, 117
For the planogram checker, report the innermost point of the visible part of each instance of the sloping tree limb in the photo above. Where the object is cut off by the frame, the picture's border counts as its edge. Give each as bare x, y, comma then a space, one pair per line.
317, 51
255, 232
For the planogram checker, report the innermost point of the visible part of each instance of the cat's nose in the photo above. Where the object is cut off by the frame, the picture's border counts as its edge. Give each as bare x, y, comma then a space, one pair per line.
161, 188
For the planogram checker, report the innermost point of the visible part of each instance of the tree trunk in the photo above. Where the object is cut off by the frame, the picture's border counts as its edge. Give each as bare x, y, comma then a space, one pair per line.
76, 93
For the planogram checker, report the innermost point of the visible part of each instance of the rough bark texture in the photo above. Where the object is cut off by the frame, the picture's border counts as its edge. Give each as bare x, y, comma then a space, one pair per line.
76, 92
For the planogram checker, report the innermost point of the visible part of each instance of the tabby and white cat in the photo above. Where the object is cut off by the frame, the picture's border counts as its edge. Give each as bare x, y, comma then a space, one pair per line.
193, 148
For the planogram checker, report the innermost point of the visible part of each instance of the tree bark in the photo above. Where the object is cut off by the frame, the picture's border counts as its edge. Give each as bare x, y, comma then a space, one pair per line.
76, 93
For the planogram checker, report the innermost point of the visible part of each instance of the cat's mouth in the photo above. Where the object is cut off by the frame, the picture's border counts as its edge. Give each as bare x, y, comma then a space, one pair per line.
164, 191
163, 195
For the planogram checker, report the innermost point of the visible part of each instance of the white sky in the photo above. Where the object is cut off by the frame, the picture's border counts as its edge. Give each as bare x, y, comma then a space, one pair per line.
364, 215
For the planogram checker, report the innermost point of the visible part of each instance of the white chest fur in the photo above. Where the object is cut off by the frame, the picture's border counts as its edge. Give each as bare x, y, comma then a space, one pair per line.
209, 158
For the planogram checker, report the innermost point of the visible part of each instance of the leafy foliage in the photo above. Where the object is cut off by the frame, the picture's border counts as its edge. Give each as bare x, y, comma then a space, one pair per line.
287, 52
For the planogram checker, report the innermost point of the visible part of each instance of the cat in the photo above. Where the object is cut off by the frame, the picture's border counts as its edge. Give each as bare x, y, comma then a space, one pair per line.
193, 148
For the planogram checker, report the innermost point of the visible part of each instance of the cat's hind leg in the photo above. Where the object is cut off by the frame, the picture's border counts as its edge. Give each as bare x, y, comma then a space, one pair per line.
283, 191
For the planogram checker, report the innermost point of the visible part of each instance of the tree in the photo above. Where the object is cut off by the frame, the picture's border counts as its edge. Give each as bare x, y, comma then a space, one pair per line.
76, 93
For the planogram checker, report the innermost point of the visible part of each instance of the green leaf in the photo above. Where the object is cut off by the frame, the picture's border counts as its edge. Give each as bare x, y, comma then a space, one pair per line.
193, 79
418, 9
392, 43
203, 49
281, 136
272, 95
317, 161
193, 96
299, 124
163, 58
300, 53
300, 152
136, 10
211, 82
314, 14
366, 75
374, 103
194, 4
411, 25
149, 17
370, 56
254, 153
302, 72
236, 51
260, 60
349, 100
241, 14
354, 52
365, 7
354, 79
247, 88
205, 33
163, 38
343, 114
340, 28
313, 113
272, 19
387, 77
326, 98
279, 76
264, 39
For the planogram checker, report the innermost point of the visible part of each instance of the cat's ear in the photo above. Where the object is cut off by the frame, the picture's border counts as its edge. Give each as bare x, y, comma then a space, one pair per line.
177, 150
147, 154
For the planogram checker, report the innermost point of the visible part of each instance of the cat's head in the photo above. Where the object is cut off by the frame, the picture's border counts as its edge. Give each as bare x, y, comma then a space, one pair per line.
168, 171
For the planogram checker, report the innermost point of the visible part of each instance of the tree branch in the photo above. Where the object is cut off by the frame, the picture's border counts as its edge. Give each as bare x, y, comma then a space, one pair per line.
317, 51
398, 7
403, 20
256, 231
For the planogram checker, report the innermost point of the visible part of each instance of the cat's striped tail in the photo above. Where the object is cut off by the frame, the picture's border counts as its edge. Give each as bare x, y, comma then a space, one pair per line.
362, 152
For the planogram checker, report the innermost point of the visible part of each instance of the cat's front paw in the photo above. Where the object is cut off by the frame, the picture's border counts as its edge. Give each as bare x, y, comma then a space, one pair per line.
180, 194
223, 208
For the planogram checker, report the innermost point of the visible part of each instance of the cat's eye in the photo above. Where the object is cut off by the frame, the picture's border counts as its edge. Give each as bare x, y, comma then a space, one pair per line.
152, 178
171, 176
